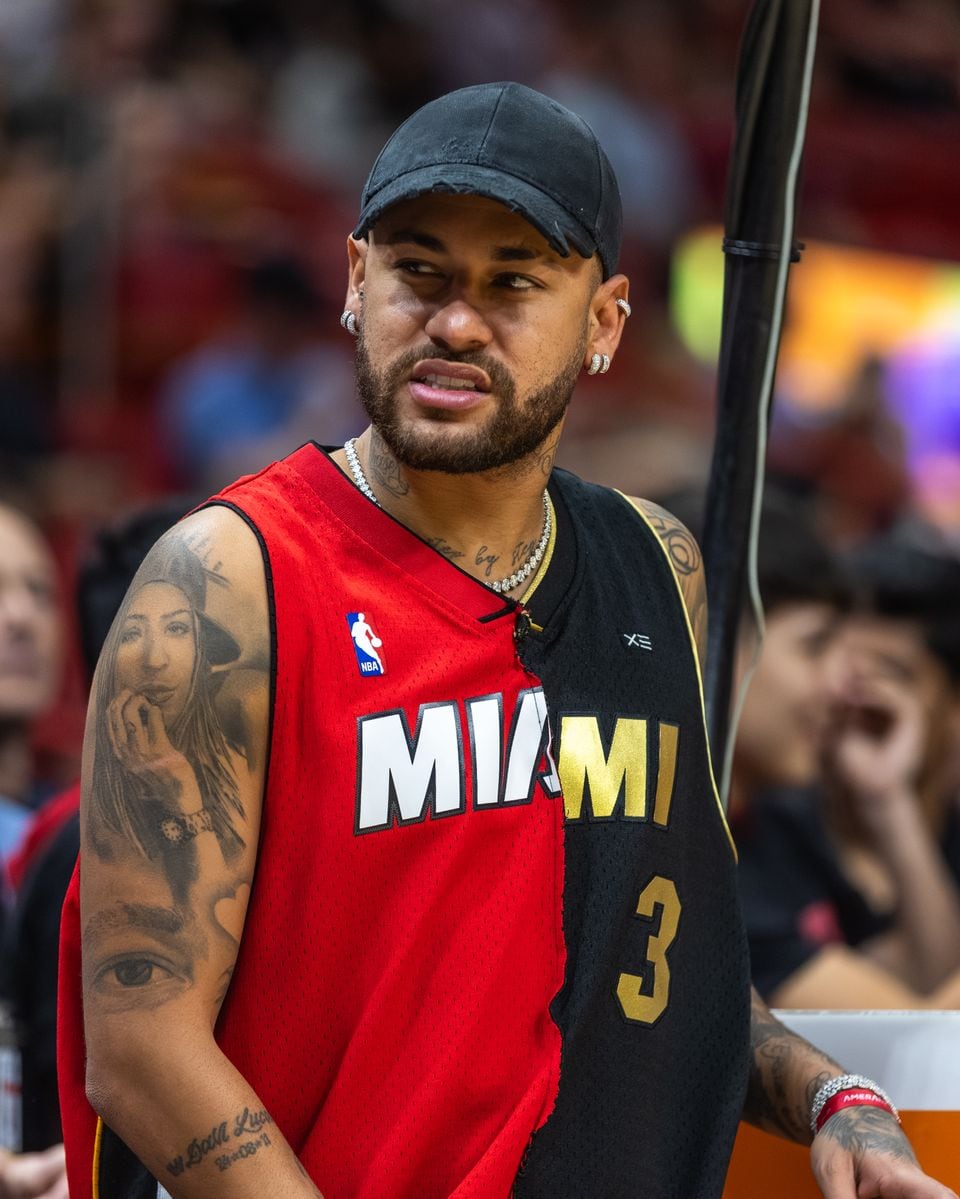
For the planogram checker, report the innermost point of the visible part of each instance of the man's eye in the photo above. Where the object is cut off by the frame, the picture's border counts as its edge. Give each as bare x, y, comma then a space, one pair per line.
421, 269
516, 282
127, 973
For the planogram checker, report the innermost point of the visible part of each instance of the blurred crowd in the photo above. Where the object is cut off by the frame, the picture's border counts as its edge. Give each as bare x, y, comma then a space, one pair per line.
177, 178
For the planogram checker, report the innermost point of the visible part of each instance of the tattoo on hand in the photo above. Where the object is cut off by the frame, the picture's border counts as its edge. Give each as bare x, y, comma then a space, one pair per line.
868, 1129
244, 1124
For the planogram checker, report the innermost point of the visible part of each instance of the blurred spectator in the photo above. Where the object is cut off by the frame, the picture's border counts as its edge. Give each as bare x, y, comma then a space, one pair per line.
42, 870
31, 638
849, 904
264, 389
33, 1175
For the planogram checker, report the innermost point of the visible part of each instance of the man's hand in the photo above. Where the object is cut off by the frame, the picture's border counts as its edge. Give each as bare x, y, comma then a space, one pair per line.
34, 1175
861, 1153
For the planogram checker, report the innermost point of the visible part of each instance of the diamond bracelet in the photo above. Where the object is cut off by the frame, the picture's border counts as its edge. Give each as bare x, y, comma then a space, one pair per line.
846, 1082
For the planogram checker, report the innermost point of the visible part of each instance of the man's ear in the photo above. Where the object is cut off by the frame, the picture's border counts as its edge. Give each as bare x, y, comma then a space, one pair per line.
356, 272
607, 317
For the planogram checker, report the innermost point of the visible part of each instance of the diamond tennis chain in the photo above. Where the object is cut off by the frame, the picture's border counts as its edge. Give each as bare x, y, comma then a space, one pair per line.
520, 575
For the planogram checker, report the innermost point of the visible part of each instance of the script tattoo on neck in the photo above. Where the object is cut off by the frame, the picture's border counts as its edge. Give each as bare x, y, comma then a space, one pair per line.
522, 551
487, 560
442, 546
385, 468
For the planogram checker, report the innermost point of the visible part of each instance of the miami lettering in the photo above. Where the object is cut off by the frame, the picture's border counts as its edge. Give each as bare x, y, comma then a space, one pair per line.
614, 782
404, 777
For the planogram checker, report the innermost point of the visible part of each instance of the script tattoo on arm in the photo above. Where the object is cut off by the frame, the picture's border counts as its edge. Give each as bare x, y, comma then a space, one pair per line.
385, 468
240, 1138
687, 562
785, 1074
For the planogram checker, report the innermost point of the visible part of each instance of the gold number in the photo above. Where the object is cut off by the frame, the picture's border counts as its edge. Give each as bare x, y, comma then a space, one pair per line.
647, 1009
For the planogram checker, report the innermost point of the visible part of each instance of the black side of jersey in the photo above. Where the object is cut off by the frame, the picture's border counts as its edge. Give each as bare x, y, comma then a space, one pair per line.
654, 1011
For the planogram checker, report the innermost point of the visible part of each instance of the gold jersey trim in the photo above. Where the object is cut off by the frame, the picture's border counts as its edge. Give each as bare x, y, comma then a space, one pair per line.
696, 662
548, 554
97, 1143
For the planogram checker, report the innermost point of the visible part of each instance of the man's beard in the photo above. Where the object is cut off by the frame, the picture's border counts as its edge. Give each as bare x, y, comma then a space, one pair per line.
512, 432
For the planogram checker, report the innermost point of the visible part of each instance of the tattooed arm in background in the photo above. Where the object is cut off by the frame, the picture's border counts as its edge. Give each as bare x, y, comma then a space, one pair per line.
860, 1153
169, 826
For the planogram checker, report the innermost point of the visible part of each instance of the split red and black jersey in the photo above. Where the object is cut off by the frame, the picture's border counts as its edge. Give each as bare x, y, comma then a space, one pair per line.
454, 980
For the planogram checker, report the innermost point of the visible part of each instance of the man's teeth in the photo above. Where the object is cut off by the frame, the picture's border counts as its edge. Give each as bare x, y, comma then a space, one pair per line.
450, 382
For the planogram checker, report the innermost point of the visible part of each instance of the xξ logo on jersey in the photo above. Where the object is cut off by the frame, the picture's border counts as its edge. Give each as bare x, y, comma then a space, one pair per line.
366, 645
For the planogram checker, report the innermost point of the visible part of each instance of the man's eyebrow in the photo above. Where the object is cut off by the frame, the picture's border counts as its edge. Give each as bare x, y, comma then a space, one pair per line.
135, 915
417, 238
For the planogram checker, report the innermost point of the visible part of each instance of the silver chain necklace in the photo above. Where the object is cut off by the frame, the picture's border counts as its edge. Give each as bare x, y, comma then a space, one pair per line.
520, 575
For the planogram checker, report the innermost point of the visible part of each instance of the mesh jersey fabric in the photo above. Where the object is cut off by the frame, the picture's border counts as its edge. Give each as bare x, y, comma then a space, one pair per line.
404, 962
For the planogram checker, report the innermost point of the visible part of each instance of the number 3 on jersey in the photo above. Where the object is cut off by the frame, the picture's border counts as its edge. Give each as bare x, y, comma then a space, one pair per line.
638, 1002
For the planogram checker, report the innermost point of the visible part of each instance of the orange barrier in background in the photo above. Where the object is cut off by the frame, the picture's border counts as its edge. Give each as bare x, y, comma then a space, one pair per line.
766, 1167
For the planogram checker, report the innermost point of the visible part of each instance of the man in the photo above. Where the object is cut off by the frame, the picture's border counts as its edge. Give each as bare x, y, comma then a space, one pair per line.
31, 640
452, 981
850, 903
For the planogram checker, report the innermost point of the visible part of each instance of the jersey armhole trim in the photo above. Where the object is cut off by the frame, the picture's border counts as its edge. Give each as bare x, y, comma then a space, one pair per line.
272, 630
696, 663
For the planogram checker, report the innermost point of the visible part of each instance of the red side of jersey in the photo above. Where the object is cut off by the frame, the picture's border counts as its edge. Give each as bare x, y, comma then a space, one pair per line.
403, 942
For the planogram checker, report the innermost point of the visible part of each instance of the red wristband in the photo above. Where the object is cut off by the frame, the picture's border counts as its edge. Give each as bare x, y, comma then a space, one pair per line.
855, 1097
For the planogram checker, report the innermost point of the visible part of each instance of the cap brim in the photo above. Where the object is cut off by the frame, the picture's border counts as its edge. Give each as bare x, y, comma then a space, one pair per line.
561, 229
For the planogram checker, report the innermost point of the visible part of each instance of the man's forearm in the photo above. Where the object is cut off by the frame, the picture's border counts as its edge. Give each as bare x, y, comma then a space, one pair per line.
785, 1074
198, 1126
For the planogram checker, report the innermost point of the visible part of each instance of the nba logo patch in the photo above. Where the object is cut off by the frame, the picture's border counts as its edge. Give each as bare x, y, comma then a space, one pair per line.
366, 644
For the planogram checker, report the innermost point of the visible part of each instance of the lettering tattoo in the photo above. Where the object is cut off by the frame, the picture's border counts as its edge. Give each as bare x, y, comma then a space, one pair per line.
385, 468
486, 560
522, 551
442, 546
244, 1124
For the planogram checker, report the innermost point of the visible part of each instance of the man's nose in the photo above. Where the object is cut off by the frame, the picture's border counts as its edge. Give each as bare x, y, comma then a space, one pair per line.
458, 326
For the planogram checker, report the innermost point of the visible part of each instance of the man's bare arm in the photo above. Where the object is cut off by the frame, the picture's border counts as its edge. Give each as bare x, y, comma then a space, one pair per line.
687, 563
173, 778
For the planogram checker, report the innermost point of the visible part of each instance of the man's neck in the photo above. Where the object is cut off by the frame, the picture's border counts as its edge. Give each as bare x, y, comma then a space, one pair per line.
16, 760
488, 524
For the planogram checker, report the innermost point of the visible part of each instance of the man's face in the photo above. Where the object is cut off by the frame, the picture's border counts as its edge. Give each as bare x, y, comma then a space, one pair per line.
30, 628
788, 704
473, 332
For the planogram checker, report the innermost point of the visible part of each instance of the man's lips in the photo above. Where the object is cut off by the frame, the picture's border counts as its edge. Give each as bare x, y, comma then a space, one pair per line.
436, 383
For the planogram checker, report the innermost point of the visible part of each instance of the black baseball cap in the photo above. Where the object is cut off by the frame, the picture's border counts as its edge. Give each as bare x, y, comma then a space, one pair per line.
509, 143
